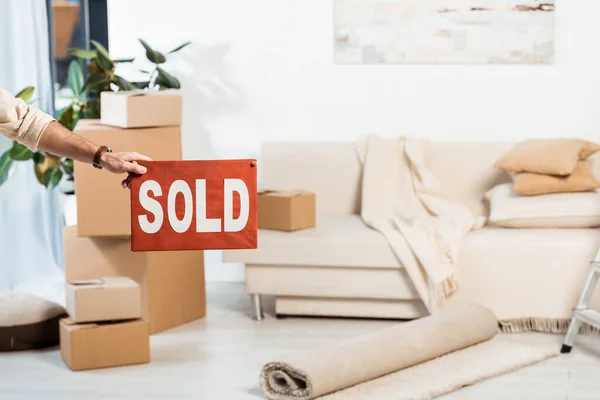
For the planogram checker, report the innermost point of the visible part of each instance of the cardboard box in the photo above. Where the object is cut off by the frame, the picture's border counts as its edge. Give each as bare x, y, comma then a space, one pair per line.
171, 282
104, 299
104, 344
286, 210
103, 206
65, 17
141, 109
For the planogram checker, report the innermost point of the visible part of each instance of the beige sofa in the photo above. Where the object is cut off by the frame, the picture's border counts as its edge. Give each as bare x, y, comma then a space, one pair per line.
342, 268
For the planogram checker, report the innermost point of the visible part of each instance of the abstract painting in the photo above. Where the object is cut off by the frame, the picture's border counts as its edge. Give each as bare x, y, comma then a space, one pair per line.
444, 31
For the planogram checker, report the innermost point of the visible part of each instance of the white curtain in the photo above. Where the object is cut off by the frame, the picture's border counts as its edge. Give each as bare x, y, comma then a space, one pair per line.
30, 216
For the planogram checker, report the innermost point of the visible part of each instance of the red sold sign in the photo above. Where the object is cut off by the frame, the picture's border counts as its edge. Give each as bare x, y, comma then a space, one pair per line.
194, 205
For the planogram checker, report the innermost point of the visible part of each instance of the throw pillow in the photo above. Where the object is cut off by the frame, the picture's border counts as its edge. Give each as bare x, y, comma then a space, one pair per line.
582, 179
557, 210
547, 156
28, 322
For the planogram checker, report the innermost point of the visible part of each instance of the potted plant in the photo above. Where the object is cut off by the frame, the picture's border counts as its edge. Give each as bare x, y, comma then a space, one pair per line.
85, 104
49, 169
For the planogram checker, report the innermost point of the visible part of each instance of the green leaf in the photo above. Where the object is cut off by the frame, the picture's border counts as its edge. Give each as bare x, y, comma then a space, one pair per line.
52, 177
26, 94
176, 49
75, 75
124, 60
66, 117
68, 166
141, 85
95, 83
91, 109
50, 161
83, 53
103, 59
93, 68
5, 164
38, 158
153, 55
40, 179
105, 64
122, 83
20, 152
167, 80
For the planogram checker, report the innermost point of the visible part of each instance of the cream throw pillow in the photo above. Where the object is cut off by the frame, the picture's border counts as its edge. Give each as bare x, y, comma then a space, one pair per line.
547, 156
581, 180
558, 210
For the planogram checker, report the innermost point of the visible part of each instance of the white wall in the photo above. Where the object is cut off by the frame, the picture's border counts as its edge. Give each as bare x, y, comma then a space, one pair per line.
262, 70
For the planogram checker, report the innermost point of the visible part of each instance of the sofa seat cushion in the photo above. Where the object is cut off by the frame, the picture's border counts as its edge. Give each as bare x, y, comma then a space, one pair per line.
524, 273
555, 210
337, 240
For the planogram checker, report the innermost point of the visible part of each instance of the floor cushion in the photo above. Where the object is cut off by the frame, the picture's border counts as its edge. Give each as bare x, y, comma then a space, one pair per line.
28, 322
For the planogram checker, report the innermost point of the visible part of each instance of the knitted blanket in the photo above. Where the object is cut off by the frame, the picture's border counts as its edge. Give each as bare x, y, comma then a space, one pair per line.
404, 201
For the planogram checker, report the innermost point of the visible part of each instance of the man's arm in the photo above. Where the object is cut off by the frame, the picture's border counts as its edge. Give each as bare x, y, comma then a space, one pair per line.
56, 139
37, 130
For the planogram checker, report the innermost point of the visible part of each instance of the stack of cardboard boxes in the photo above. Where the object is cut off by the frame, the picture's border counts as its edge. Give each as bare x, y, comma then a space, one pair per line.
99, 246
104, 328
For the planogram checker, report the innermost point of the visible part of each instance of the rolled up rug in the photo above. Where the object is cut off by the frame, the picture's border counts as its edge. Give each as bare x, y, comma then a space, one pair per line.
370, 356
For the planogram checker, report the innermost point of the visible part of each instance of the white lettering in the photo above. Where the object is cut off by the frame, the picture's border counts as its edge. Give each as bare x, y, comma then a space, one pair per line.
180, 225
238, 224
152, 206
204, 224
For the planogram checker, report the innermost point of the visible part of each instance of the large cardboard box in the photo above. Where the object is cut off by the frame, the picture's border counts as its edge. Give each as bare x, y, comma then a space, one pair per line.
286, 210
101, 345
104, 299
141, 108
65, 17
103, 206
172, 282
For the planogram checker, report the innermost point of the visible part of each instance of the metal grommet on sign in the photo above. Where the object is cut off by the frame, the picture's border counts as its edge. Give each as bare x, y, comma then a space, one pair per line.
253, 164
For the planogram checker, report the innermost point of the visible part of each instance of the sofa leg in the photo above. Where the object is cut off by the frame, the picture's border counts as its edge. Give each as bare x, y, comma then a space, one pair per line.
257, 307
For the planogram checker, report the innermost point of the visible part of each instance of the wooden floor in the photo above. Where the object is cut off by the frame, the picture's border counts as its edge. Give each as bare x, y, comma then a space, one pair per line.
220, 357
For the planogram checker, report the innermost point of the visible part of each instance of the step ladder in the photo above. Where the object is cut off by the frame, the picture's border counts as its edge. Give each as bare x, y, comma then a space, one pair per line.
583, 313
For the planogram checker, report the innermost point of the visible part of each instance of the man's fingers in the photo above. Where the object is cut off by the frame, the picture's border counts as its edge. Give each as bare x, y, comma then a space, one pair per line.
134, 168
126, 182
133, 156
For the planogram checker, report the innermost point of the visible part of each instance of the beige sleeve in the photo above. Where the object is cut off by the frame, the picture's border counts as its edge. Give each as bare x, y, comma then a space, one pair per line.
20, 121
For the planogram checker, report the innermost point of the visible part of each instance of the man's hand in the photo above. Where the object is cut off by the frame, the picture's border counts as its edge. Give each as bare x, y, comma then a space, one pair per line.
119, 163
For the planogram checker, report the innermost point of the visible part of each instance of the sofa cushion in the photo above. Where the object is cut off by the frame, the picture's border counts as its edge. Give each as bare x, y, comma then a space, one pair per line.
557, 210
530, 184
337, 240
526, 273
546, 156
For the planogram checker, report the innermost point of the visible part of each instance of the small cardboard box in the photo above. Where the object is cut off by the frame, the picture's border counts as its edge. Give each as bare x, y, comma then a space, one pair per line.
103, 206
101, 345
286, 210
141, 108
104, 299
171, 282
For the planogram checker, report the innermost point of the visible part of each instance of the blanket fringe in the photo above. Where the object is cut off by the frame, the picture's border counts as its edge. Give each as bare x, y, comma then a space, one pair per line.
447, 287
545, 325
